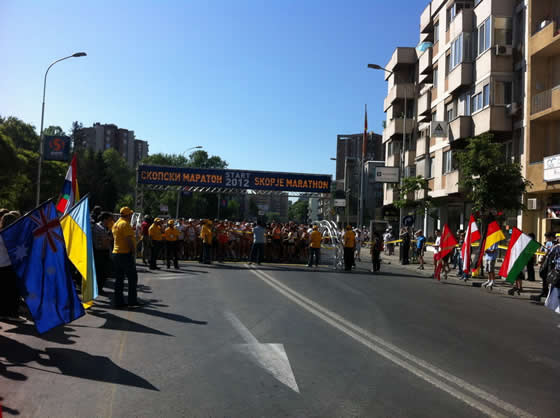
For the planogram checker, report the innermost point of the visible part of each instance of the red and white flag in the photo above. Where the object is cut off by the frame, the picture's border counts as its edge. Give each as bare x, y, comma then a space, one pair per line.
472, 235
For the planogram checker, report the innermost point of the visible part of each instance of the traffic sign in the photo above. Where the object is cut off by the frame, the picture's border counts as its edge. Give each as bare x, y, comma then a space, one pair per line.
408, 220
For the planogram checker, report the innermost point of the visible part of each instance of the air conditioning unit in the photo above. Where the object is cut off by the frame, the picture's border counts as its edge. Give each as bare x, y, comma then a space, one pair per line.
513, 108
503, 50
533, 204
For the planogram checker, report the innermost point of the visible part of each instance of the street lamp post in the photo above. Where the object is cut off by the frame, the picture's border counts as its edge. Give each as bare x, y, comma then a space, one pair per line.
39, 167
402, 166
181, 189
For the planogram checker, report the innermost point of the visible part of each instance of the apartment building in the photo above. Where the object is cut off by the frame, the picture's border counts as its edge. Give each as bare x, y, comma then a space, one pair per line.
101, 137
542, 158
468, 80
348, 164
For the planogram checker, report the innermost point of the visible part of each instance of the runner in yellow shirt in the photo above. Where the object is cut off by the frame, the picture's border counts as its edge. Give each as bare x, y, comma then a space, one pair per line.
156, 238
124, 258
171, 236
349, 240
206, 237
315, 246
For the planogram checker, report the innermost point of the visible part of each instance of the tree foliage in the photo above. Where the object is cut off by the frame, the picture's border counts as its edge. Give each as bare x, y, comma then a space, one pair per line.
298, 212
409, 187
489, 181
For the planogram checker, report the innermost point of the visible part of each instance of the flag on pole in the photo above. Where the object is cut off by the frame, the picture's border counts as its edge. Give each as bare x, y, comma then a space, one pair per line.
520, 250
70, 192
494, 235
364, 141
36, 249
472, 235
446, 244
76, 228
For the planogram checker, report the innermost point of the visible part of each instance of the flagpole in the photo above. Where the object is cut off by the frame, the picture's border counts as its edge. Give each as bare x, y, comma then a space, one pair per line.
362, 168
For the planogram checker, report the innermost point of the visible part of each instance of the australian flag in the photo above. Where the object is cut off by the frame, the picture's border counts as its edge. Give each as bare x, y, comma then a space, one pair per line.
36, 248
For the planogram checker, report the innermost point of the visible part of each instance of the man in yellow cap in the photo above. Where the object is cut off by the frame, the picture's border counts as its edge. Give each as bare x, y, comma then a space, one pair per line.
206, 237
124, 258
156, 238
171, 236
349, 241
314, 246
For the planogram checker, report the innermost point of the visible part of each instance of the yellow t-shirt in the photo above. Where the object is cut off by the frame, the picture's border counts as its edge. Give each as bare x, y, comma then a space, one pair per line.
349, 239
171, 234
122, 230
206, 235
155, 232
316, 238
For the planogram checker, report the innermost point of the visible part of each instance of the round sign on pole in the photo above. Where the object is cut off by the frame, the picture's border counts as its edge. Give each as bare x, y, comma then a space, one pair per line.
408, 220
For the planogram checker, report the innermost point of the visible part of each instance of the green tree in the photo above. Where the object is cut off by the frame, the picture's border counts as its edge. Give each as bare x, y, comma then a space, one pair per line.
77, 136
54, 131
22, 134
484, 174
298, 211
407, 192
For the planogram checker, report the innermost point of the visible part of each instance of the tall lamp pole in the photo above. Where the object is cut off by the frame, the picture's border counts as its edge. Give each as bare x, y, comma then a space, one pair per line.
378, 67
179, 191
39, 167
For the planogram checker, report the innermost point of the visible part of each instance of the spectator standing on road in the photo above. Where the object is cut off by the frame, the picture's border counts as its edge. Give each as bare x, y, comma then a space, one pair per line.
206, 237
349, 241
314, 246
156, 239
9, 293
388, 237
490, 256
376, 245
124, 257
359, 240
259, 239
420, 248
405, 245
171, 236
548, 245
102, 245
531, 264
145, 234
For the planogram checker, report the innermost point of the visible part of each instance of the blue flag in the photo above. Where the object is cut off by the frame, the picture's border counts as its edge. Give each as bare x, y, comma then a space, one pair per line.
36, 248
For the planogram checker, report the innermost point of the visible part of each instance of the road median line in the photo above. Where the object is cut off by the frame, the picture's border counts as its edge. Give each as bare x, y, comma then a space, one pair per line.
394, 353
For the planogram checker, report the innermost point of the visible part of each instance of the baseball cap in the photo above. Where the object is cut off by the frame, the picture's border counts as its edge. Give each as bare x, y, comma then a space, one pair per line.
125, 211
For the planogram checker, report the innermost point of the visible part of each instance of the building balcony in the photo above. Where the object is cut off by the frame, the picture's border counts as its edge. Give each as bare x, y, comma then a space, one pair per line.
461, 75
463, 22
546, 105
398, 91
410, 158
425, 102
393, 160
396, 127
492, 119
426, 24
422, 146
460, 127
450, 182
401, 56
425, 61
545, 41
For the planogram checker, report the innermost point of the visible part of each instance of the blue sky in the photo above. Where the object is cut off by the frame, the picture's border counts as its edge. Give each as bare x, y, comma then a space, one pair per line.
266, 85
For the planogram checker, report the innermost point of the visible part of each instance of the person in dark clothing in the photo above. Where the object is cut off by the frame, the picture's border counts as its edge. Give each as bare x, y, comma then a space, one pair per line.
531, 264
102, 246
9, 293
405, 245
349, 241
375, 251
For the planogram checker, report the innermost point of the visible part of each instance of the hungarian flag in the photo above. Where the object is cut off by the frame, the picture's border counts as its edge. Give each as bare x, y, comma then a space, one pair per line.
472, 235
446, 244
520, 250
70, 192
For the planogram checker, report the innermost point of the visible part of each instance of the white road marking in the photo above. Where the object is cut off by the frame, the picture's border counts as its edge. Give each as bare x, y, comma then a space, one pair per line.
398, 356
271, 357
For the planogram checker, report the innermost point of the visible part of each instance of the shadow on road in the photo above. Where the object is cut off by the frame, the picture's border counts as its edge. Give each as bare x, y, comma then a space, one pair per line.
57, 335
7, 410
118, 323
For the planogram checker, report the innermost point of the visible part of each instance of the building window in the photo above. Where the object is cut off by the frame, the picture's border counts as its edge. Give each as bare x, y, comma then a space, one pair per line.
502, 92
436, 32
486, 95
465, 104
434, 115
484, 32
435, 77
508, 152
449, 112
456, 52
448, 165
476, 2
503, 34
431, 166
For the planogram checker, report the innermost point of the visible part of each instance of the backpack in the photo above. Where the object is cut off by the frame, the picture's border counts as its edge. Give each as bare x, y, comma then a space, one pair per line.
553, 266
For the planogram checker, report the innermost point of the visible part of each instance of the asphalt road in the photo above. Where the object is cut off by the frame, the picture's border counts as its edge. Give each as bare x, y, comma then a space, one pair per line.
234, 341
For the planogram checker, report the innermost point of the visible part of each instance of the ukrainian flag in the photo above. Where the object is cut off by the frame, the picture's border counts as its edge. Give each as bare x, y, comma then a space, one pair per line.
76, 228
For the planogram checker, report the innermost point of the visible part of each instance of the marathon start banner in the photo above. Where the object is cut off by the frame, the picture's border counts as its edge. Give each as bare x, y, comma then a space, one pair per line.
234, 179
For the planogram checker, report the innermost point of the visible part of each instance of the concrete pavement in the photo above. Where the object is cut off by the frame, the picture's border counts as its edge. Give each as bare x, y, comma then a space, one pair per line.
228, 340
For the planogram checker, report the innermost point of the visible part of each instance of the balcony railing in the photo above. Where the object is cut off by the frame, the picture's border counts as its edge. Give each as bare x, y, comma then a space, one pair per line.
542, 101
543, 23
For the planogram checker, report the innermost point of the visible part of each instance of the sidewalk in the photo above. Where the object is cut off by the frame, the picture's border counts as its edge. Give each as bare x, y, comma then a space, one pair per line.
500, 285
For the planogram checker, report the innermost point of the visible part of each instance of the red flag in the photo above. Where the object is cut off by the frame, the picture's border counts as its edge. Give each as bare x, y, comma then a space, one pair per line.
364, 141
472, 235
447, 242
